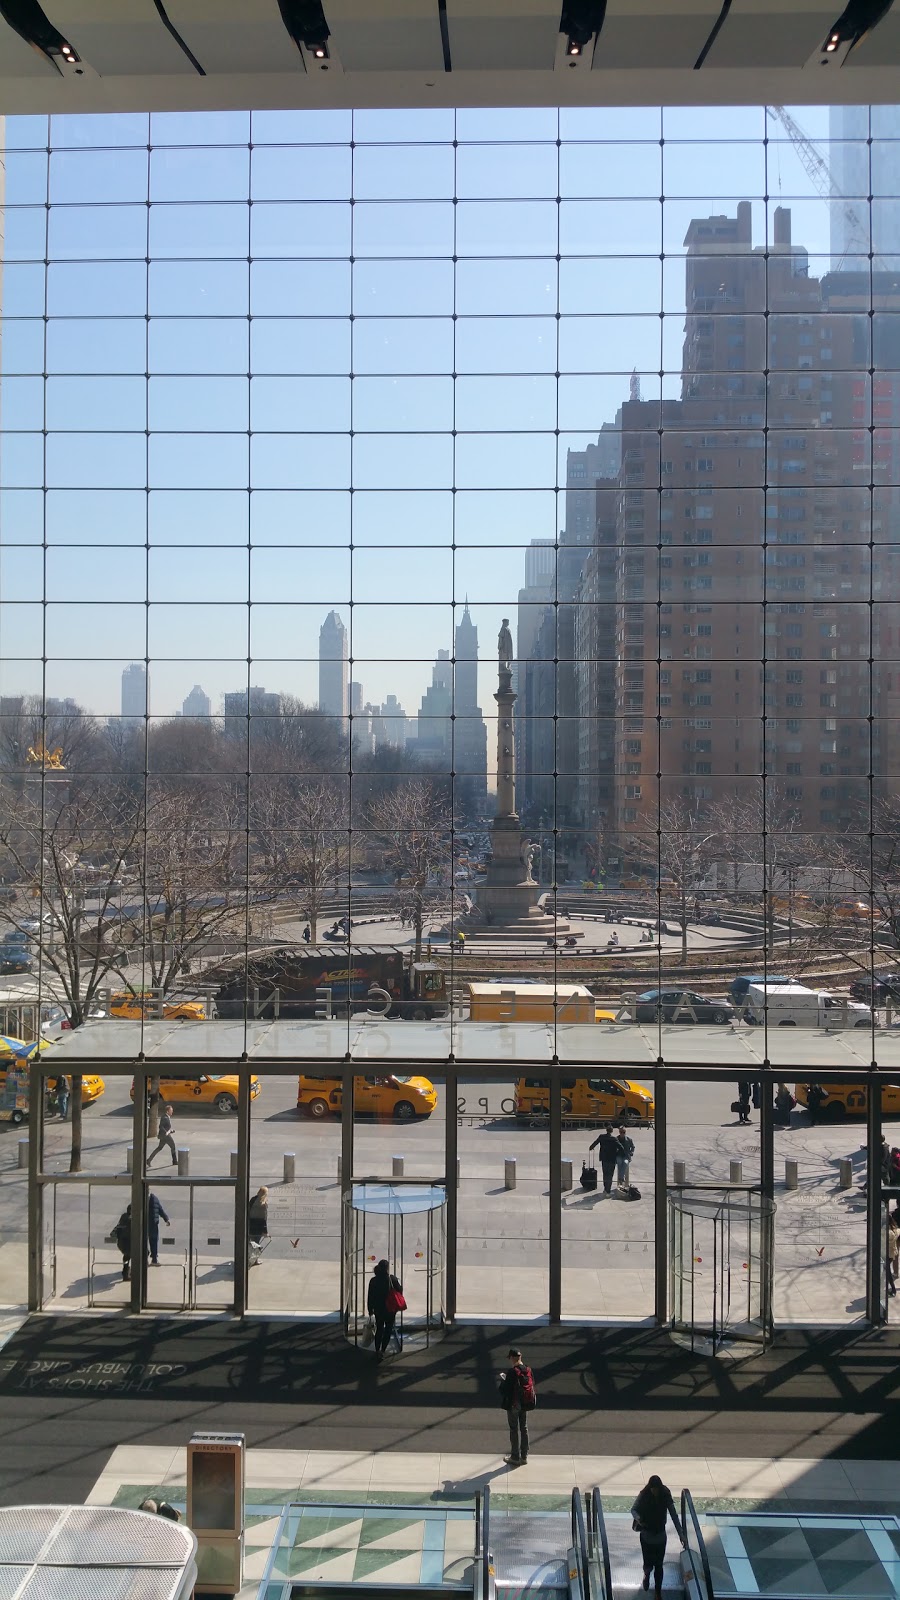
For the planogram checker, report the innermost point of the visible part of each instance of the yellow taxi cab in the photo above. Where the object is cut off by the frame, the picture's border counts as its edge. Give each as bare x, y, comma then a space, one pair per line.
144, 1004
92, 1086
592, 1099
849, 1099
601, 1014
210, 1089
399, 1098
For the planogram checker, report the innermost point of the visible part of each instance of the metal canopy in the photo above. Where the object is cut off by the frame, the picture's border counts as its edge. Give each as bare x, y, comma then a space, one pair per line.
220, 54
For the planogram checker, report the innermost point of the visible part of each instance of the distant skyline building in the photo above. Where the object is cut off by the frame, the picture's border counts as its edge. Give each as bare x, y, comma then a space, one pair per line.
135, 691
469, 731
356, 699
197, 704
389, 724
434, 725
334, 673
255, 702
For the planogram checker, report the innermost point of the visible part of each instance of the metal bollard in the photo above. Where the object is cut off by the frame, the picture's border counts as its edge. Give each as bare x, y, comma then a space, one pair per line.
129, 1158
790, 1173
184, 1162
23, 1152
289, 1171
396, 1166
846, 1171
679, 1172
340, 1168
735, 1172
509, 1172
565, 1175
232, 1164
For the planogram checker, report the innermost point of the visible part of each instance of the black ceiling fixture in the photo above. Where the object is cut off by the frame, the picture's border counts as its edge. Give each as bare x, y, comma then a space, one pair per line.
27, 19
580, 21
169, 25
306, 24
713, 35
854, 23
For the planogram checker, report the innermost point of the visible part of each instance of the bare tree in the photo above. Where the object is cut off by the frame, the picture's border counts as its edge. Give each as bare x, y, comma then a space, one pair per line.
870, 851
414, 822
69, 841
761, 836
65, 733
685, 851
301, 826
191, 874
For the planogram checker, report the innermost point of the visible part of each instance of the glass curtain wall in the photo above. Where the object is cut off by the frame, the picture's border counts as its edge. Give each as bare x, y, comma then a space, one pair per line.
448, 605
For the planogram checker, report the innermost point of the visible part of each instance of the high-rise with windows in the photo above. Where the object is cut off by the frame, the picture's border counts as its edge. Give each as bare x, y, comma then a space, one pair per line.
334, 675
135, 690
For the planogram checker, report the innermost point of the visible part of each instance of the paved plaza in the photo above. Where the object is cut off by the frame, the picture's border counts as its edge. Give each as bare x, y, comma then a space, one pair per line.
608, 1245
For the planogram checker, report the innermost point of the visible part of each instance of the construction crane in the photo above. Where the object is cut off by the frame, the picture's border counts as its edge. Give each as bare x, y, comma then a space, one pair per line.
820, 174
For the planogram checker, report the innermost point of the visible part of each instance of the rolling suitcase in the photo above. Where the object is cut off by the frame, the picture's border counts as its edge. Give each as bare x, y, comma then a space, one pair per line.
589, 1172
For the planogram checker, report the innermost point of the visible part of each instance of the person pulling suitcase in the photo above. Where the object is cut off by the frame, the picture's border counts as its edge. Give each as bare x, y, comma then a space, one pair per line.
609, 1155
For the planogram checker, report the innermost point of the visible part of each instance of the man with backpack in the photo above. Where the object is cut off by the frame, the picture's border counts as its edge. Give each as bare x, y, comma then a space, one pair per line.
517, 1397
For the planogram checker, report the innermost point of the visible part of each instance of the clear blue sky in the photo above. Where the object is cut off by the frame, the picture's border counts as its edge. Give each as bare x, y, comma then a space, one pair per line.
215, 319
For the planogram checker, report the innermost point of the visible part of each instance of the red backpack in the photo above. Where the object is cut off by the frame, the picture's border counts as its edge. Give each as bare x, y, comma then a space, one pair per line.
524, 1378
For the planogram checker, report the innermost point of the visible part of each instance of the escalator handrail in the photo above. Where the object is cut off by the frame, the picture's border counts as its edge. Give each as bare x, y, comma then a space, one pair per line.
579, 1541
599, 1525
688, 1511
485, 1543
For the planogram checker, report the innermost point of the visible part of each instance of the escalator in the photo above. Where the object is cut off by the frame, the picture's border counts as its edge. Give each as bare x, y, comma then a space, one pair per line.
531, 1554
534, 1555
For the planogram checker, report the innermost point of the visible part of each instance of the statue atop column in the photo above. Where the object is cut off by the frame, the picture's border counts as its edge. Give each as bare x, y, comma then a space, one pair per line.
505, 646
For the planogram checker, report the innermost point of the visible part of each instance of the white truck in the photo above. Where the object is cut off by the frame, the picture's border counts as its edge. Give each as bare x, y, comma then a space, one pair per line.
791, 1005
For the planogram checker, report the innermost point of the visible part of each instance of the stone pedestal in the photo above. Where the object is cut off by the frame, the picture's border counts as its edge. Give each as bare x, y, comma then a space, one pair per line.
506, 895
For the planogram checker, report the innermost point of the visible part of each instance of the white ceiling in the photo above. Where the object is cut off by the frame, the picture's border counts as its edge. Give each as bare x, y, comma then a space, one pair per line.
390, 53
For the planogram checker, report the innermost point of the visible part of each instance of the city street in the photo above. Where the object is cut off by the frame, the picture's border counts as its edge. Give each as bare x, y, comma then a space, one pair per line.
607, 1244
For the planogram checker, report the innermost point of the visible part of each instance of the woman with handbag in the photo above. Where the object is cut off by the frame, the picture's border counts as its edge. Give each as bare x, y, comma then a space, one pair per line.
384, 1300
650, 1512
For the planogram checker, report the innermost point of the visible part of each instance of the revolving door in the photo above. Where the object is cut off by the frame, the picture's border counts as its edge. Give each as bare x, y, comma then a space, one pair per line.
405, 1225
720, 1264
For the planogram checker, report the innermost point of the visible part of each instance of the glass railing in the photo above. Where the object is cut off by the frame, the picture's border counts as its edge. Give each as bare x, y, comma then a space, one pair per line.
580, 1544
695, 1547
599, 1544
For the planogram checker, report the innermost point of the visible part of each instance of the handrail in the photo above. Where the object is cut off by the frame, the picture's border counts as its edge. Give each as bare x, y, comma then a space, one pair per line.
579, 1540
688, 1511
486, 1543
598, 1522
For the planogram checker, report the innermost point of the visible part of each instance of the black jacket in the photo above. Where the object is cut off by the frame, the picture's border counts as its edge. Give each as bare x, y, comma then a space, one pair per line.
379, 1285
609, 1148
652, 1510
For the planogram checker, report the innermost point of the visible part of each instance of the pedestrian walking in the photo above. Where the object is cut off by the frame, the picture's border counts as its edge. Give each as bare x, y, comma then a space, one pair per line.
608, 1153
166, 1141
743, 1102
122, 1236
517, 1397
154, 1212
649, 1514
258, 1224
784, 1105
383, 1301
815, 1094
62, 1097
623, 1159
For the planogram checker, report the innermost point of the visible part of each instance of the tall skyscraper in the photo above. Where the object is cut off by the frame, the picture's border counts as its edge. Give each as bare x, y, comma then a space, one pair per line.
356, 699
196, 704
135, 690
469, 731
435, 738
855, 175
334, 674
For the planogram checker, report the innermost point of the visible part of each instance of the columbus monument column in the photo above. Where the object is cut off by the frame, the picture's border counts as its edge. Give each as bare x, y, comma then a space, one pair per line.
509, 891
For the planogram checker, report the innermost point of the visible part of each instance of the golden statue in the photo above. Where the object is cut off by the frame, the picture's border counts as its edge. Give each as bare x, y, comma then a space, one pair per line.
40, 756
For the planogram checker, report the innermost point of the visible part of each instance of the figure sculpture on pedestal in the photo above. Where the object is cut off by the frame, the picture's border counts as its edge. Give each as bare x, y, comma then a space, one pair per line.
505, 647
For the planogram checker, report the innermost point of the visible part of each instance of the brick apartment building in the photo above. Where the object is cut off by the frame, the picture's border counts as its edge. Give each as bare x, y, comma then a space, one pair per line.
728, 617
